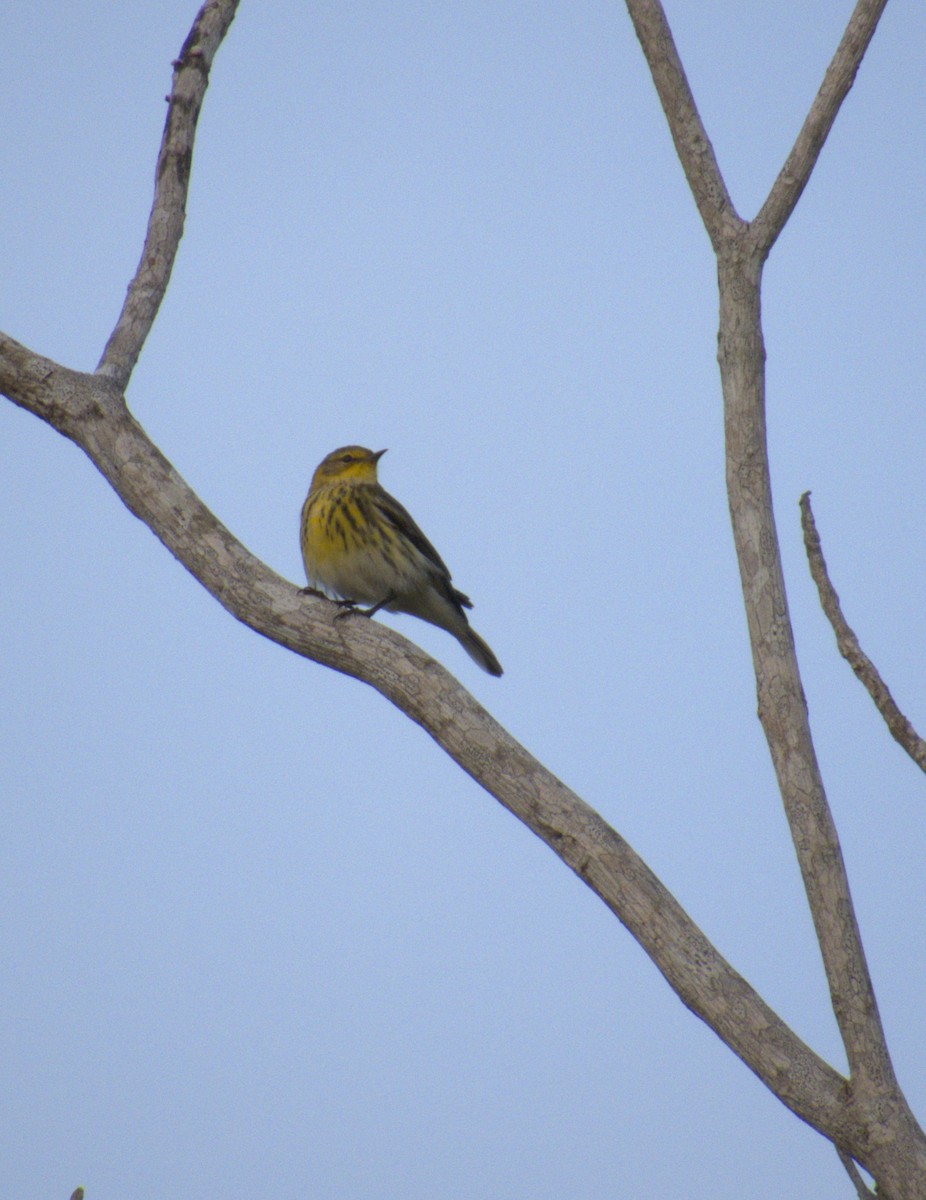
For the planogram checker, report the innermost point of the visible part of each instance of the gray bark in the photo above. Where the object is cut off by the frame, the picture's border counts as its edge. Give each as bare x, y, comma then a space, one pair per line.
865, 1115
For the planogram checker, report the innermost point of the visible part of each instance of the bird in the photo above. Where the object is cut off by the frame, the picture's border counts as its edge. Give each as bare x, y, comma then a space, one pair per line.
360, 545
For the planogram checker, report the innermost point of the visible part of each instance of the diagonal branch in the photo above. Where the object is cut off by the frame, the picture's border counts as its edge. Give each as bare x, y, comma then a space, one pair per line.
91, 411
854, 1174
692, 144
838, 79
898, 725
172, 179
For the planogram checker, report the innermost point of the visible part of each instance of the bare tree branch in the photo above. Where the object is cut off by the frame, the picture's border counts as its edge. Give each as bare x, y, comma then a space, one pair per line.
866, 1116
688, 133
858, 1182
782, 708
898, 725
92, 412
838, 79
172, 179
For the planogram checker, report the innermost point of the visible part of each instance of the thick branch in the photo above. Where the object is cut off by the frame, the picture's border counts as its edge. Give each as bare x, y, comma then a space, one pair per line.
92, 412
839, 77
867, 1119
782, 707
172, 179
688, 133
782, 710
893, 1144
898, 725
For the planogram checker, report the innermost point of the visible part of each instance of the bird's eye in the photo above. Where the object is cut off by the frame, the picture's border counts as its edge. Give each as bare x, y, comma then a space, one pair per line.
347, 458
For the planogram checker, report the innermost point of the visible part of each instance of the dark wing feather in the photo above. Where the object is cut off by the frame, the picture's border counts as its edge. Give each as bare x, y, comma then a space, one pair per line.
403, 522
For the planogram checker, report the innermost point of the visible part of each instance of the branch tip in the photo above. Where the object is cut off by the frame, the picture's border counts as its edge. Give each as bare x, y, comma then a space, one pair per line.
837, 81
165, 223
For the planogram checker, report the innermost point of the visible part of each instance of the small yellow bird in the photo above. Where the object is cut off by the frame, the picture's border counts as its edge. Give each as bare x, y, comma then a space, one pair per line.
361, 545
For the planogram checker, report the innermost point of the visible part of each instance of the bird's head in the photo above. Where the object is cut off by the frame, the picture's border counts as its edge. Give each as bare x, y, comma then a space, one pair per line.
352, 464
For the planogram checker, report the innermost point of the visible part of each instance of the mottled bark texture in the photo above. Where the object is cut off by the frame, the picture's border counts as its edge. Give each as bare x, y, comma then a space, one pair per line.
886, 1139
171, 184
865, 1116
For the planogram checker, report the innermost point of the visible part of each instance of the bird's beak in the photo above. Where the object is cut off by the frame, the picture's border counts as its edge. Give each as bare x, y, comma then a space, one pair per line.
378, 455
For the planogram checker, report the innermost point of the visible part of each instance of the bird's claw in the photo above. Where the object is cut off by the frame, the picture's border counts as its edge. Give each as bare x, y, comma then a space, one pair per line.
347, 608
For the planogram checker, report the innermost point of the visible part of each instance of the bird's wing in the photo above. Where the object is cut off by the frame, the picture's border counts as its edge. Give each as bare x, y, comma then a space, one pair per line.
401, 520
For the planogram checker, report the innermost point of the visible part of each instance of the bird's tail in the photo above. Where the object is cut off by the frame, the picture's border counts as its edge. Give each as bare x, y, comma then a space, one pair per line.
479, 651
444, 607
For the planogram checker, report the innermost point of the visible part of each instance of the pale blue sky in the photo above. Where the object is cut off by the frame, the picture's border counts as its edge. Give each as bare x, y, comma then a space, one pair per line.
260, 937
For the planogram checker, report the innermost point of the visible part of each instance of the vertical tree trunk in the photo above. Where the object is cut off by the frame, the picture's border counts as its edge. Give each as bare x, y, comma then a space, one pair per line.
888, 1142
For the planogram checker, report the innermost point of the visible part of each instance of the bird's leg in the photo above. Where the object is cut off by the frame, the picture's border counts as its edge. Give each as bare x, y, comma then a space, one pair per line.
350, 606
374, 609
346, 606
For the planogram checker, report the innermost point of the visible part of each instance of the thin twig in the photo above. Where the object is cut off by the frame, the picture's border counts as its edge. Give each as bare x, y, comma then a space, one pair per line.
838, 79
692, 144
862, 1190
900, 728
172, 178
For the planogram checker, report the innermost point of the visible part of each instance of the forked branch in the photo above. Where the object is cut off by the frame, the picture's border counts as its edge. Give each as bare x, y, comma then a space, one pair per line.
91, 410
782, 709
741, 251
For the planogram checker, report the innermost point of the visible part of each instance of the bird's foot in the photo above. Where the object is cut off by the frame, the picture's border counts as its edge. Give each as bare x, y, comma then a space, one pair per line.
347, 608
350, 606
